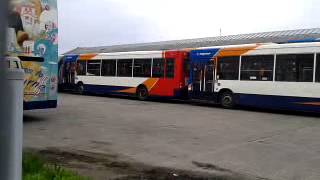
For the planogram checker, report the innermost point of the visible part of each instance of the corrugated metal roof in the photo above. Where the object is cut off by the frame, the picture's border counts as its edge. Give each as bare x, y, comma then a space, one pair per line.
265, 37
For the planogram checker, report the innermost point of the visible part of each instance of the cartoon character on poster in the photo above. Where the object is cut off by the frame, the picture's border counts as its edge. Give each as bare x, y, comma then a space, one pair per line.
35, 81
31, 20
32, 31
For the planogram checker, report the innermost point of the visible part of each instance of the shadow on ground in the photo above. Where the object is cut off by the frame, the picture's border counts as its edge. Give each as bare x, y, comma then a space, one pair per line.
31, 118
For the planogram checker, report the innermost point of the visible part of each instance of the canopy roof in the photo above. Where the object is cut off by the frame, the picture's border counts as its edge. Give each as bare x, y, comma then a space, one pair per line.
301, 35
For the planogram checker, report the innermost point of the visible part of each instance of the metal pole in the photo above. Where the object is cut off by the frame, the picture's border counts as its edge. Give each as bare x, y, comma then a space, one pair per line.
10, 110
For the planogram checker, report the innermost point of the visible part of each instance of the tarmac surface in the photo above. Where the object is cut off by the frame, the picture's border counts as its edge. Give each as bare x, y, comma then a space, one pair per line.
191, 137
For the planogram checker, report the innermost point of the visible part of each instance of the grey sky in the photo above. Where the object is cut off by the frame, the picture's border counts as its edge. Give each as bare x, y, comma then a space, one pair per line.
88, 23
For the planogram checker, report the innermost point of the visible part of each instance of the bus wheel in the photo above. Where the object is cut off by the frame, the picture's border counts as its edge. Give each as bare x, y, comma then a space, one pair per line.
80, 88
227, 100
142, 93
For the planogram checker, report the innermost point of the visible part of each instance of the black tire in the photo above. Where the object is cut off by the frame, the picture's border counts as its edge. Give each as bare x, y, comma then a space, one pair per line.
227, 100
80, 88
142, 93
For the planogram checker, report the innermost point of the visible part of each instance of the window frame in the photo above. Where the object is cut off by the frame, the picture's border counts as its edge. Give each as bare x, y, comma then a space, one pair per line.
297, 79
166, 72
88, 61
262, 64
119, 61
163, 64
149, 60
316, 68
115, 67
218, 69
186, 67
85, 62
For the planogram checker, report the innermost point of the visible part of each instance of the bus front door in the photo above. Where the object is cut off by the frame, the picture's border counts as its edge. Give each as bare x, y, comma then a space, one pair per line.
203, 81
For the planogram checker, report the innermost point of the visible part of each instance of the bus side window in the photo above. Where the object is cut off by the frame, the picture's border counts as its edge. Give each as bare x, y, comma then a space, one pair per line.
186, 67
124, 67
228, 68
158, 68
318, 68
142, 68
257, 68
295, 67
170, 68
93, 68
108, 68
81, 68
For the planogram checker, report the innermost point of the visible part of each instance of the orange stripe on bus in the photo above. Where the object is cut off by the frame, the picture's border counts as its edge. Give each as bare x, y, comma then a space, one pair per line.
87, 56
129, 90
236, 51
150, 83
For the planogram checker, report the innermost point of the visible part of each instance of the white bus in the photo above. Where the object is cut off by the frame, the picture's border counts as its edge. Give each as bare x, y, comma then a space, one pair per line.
139, 73
276, 76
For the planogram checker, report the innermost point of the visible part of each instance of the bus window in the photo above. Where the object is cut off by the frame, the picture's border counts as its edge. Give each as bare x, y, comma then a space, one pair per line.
124, 68
93, 68
295, 67
142, 68
108, 68
318, 68
228, 68
170, 68
81, 68
257, 68
158, 68
186, 67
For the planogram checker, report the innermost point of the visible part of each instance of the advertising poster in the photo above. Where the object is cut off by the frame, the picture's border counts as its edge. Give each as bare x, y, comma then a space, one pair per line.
33, 35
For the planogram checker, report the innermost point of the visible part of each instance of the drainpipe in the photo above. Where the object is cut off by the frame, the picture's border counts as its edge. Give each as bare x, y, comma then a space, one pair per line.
11, 109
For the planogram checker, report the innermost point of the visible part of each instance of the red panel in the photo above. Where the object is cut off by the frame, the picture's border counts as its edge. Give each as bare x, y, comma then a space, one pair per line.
166, 86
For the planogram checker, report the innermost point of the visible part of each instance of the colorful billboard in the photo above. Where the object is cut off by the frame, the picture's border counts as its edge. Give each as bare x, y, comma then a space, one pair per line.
33, 36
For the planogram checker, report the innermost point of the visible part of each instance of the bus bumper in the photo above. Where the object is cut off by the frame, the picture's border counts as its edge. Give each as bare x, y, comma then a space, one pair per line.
39, 105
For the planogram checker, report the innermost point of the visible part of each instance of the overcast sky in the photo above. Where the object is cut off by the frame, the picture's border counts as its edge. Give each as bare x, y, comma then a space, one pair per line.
85, 23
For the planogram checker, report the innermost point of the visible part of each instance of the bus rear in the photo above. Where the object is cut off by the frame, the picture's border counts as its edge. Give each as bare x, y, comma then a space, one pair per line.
33, 37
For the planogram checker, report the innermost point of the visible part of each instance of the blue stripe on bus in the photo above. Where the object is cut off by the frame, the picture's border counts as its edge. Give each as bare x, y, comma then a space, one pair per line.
201, 56
279, 102
39, 104
103, 89
70, 58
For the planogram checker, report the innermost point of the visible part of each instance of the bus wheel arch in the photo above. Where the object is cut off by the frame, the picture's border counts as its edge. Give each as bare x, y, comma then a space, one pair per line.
142, 92
80, 87
226, 98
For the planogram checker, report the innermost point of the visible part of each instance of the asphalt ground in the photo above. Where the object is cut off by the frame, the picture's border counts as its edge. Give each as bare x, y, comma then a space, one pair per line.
186, 136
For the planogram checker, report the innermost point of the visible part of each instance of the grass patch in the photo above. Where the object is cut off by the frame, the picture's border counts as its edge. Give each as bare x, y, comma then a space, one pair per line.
36, 168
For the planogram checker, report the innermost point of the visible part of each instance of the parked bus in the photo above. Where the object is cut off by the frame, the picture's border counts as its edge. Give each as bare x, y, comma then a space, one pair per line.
140, 73
33, 37
275, 76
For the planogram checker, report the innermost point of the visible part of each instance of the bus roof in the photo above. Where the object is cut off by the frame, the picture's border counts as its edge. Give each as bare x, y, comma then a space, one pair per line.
115, 55
208, 53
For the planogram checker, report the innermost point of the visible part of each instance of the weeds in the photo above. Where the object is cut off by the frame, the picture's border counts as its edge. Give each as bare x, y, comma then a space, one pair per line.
35, 168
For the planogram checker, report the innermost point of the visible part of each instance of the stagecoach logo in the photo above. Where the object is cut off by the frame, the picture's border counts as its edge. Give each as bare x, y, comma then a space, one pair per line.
204, 54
